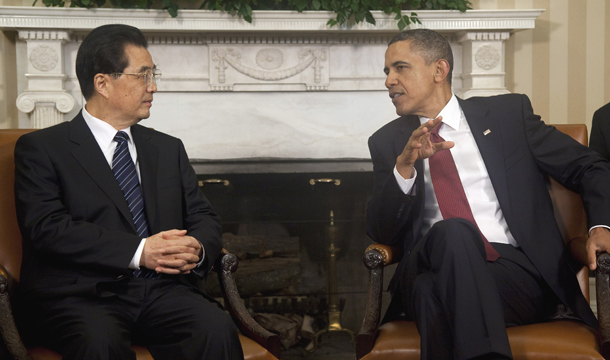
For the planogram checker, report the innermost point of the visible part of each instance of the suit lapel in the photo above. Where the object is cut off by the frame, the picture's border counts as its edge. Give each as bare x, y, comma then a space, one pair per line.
486, 133
148, 158
90, 157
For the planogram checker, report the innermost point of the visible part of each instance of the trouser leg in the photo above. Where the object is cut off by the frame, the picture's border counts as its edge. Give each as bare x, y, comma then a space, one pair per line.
451, 288
180, 323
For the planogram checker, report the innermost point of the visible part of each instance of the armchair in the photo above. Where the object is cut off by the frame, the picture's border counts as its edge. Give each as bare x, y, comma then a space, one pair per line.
257, 343
557, 339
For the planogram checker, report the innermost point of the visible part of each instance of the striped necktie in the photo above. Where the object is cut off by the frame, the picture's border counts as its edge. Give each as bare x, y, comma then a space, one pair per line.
125, 172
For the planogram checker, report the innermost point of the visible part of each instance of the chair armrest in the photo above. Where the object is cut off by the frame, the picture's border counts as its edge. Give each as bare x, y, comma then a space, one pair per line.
389, 254
376, 257
8, 328
602, 291
226, 265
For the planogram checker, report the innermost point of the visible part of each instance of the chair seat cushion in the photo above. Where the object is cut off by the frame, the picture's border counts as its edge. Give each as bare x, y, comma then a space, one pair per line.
252, 351
556, 340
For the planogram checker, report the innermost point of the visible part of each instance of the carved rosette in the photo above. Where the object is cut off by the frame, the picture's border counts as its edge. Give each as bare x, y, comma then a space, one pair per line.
269, 59
487, 57
46, 108
44, 58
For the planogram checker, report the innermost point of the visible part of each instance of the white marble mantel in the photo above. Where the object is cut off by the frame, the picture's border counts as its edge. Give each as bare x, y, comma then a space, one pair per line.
285, 86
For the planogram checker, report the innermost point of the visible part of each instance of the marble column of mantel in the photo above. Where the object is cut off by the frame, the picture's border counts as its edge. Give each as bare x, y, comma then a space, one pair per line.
285, 86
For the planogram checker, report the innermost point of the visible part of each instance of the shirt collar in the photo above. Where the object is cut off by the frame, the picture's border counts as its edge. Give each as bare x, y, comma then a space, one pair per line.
103, 132
451, 114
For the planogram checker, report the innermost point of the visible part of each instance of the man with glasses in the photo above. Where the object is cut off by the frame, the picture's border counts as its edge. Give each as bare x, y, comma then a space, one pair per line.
116, 234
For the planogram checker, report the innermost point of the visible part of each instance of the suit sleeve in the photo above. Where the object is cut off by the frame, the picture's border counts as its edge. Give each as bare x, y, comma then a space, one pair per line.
389, 209
600, 130
200, 220
47, 226
575, 166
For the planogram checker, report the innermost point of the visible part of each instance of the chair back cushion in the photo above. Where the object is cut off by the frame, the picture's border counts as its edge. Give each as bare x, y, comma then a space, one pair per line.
10, 236
568, 207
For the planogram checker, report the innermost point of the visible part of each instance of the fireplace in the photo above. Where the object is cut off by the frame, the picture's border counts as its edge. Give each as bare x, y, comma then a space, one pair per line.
279, 212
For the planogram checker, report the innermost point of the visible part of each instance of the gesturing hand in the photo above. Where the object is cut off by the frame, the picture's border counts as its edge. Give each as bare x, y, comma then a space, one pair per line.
171, 252
420, 147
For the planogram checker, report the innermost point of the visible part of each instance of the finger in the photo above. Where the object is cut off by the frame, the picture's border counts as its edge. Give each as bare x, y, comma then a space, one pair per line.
188, 267
174, 250
173, 263
592, 256
169, 271
443, 145
171, 234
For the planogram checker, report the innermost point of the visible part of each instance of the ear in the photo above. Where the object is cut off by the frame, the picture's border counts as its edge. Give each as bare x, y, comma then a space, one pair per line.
441, 70
102, 85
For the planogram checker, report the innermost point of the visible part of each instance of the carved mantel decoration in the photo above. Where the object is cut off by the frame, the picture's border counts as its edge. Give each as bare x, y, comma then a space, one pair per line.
285, 86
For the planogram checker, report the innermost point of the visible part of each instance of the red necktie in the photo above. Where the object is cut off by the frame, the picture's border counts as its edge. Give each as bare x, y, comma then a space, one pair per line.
449, 190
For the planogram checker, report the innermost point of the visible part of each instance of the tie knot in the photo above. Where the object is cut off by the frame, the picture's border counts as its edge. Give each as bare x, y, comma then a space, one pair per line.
121, 137
437, 128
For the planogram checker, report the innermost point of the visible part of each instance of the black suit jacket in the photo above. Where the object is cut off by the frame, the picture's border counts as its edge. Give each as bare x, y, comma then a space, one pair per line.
518, 152
77, 230
600, 131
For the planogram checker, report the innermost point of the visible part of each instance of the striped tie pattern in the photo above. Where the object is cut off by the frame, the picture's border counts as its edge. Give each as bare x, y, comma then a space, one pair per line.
125, 172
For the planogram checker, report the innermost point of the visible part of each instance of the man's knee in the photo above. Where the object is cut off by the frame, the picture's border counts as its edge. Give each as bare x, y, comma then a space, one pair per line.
455, 233
97, 339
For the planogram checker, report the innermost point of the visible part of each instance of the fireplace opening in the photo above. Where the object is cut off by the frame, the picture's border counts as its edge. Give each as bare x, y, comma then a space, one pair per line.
280, 222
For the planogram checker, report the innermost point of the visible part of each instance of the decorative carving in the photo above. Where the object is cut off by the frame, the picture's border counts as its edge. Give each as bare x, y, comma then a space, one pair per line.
487, 57
8, 329
237, 309
44, 58
233, 58
46, 108
269, 59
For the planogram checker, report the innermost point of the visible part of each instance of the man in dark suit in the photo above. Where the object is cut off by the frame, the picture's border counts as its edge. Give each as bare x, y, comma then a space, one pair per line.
460, 186
116, 234
600, 131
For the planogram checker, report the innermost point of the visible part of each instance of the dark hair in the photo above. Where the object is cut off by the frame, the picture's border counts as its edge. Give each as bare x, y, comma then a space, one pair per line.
103, 52
431, 45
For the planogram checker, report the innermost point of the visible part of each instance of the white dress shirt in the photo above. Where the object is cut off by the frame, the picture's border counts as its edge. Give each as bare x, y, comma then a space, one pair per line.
473, 175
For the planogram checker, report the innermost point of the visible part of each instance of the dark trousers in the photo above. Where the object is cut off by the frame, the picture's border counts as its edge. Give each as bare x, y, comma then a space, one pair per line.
462, 303
172, 320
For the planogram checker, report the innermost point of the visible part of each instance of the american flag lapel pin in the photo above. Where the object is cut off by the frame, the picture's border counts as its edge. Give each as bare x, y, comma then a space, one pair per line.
486, 132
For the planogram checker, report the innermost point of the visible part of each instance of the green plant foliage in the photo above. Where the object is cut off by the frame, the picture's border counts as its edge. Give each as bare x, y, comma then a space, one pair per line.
346, 10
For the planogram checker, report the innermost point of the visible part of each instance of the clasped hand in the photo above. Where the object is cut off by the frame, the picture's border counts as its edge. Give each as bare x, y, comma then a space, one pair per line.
420, 147
171, 252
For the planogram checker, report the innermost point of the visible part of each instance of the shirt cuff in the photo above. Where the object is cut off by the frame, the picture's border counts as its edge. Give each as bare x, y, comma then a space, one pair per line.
135, 261
596, 226
202, 254
406, 185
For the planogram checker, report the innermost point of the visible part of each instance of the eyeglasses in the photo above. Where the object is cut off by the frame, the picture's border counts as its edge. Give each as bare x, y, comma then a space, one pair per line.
149, 75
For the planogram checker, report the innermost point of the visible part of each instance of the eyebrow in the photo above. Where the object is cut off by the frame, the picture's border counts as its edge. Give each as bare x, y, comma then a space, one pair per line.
394, 64
144, 68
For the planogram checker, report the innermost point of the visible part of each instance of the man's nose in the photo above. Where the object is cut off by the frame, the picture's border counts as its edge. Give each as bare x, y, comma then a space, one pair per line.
390, 80
152, 87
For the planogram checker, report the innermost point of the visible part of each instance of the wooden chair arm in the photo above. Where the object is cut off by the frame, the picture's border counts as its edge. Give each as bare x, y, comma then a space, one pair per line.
8, 328
225, 267
376, 257
389, 255
602, 291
